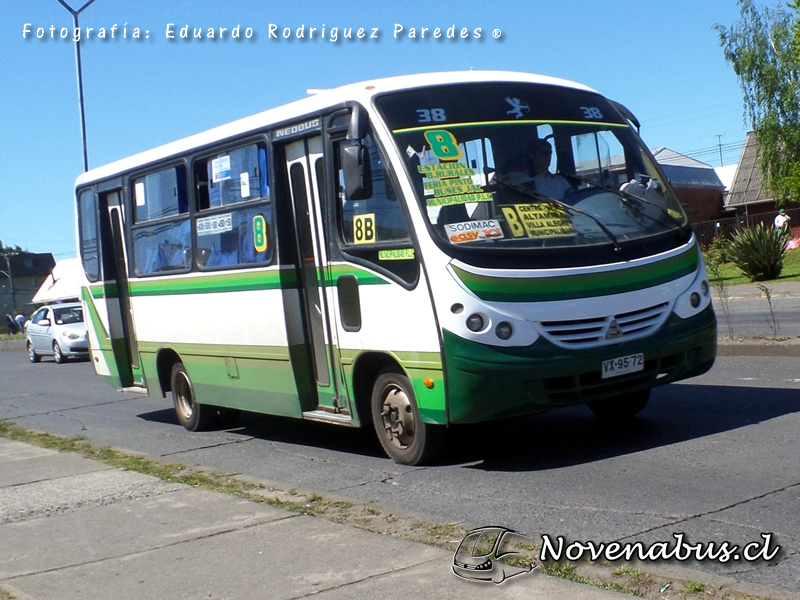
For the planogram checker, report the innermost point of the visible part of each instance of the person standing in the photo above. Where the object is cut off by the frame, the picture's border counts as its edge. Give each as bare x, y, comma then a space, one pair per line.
781, 220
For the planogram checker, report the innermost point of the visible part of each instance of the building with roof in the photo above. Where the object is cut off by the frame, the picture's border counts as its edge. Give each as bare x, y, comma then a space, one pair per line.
697, 185
21, 275
748, 194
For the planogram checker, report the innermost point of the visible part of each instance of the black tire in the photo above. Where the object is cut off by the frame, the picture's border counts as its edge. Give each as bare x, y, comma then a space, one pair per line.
58, 355
624, 406
32, 356
401, 432
192, 415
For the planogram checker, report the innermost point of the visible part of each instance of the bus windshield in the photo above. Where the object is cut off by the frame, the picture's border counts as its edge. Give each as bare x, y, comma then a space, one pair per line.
514, 165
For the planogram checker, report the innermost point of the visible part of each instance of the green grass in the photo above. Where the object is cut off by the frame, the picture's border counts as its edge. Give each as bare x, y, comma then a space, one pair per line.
4, 337
731, 275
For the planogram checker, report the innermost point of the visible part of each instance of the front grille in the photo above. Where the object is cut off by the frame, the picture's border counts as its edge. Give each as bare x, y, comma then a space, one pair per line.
602, 331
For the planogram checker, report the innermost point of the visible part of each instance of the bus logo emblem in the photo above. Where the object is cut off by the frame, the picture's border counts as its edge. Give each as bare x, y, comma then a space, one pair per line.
614, 331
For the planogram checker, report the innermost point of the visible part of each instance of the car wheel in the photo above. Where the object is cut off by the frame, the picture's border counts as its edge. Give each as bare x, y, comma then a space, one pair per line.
192, 415
34, 358
404, 436
58, 355
621, 407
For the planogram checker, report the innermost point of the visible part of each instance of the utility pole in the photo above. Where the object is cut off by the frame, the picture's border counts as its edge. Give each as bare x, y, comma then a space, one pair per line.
75, 14
719, 141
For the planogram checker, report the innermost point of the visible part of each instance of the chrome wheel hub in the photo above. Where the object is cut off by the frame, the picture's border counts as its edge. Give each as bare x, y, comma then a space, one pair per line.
398, 418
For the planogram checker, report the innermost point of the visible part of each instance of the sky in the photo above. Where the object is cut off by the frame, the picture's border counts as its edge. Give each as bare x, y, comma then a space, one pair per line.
661, 59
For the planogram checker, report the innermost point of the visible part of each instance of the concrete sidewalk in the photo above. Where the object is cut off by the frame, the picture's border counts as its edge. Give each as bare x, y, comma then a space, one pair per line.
73, 528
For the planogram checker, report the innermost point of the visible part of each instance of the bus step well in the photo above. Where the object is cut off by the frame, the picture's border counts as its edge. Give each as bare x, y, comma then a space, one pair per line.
327, 417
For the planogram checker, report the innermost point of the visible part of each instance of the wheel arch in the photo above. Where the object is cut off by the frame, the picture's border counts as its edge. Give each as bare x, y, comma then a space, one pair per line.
365, 373
165, 360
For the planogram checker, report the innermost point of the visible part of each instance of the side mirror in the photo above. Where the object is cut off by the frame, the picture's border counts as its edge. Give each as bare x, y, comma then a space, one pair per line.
357, 172
43, 322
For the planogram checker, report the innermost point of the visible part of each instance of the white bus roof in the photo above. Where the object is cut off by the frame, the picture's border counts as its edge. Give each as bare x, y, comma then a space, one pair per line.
320, 100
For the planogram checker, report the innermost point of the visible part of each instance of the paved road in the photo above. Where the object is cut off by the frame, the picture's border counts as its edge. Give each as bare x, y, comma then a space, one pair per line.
715, 458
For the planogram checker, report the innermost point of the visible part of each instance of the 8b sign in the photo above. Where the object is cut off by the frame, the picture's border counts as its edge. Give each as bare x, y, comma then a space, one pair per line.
364, 228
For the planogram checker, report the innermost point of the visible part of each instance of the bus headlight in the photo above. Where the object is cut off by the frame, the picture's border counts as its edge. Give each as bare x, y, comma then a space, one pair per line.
475, 322
694, 299
503, 330
704, 287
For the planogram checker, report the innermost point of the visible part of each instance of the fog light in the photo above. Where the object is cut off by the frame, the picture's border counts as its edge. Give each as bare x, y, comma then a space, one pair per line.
704, 287
503, 330
475, 323
694, 299
457, 308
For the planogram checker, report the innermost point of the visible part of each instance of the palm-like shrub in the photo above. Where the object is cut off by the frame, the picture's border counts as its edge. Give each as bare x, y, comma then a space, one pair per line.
758, 251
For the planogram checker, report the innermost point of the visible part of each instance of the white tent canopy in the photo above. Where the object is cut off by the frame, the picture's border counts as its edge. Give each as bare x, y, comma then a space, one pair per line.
62, 284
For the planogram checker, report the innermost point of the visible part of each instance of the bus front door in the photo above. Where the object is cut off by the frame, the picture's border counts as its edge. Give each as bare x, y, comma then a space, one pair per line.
304, 167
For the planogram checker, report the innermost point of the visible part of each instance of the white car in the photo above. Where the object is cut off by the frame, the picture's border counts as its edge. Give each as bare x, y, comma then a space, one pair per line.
57, 330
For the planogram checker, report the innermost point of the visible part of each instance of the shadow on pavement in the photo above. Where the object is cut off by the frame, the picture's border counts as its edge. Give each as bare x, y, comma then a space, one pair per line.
560, 438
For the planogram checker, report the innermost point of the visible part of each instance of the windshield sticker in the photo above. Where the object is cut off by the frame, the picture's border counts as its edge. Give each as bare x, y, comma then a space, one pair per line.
471, 231
444, 170
364, 228
221, 168
259, 233
451, 184
444, 144
537, 220
396, 254
461, 199
214, 225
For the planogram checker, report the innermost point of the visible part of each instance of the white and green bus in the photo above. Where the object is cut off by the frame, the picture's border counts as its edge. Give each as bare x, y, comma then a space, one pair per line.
387, 253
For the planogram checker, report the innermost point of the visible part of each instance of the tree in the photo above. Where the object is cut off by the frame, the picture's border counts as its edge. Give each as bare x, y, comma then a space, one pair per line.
9, 249
764, 50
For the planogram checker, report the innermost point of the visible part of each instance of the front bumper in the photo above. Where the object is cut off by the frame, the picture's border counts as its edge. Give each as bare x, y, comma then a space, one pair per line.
486, 383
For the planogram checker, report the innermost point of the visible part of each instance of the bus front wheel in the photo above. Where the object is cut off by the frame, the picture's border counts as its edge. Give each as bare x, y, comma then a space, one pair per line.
402, 433
193, 416
623, 406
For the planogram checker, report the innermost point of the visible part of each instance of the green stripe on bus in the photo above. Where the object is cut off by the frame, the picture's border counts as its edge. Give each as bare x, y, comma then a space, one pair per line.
569, 287
243, 281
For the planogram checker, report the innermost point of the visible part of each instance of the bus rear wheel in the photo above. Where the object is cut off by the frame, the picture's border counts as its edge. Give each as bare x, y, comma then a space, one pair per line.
623, 406
402, 433
192, 415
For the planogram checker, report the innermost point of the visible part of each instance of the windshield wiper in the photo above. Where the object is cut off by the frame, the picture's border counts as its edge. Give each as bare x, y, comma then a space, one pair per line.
563, 205
630, 197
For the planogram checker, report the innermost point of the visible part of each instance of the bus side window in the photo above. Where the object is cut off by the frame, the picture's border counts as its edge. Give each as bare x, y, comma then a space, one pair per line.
88, 230
162, 239
234, 212
375, 229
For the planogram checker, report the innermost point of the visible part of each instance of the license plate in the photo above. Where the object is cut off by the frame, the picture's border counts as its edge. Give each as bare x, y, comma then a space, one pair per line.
622, 365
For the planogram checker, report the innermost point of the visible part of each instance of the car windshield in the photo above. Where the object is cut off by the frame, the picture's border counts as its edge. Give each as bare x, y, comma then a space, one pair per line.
512, 165
68, 315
